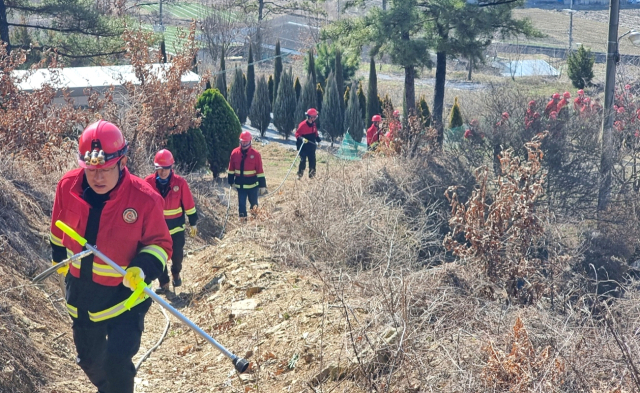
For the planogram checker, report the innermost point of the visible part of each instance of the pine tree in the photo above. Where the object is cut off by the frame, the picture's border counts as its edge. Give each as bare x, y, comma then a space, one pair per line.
339, 75
220, 127
319, 96
455, 118
347, 91
251, 79
311, 67
285, 105
298, 88
271, 91
333, 119
189, 149
307, 99
424, 112
277, 70
237, 97
260, 113
580, 67
353, 121
221, 78
362, 100
373, 99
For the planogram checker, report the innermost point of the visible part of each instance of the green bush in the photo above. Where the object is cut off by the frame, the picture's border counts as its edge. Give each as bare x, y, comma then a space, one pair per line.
307, 99
455, 118
284, 109
220, 127
580, 67
189, 149
333, 119
423, 112
353, 117
325, 63
260, 113
237, 96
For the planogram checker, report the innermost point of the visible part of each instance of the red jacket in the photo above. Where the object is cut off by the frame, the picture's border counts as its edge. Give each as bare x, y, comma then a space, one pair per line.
245, 169
552, 106
178, 200
373, 135
307, 131
131, 231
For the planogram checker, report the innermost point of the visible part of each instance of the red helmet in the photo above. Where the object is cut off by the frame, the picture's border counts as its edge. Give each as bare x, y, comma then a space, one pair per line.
396, 113
555, 96
505, 115
245, 136
580, 92
101, 145
311, 112
163, 159
532, 103
566, 94
627, 87
376, 118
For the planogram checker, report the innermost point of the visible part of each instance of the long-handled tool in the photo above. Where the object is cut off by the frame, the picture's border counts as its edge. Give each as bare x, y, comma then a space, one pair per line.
239, 363
52, 269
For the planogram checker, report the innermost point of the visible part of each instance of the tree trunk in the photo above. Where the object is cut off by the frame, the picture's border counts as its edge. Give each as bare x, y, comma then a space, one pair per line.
258, 45
4, 26
470, 69
438, 96
384, 5
410, 90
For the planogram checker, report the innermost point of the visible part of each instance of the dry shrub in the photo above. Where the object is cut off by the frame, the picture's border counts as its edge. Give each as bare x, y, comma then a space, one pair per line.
524, 368
502, 224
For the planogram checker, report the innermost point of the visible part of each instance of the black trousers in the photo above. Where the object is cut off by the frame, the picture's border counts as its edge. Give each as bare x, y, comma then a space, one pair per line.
308, 152
105, 350
176, 258
243, 194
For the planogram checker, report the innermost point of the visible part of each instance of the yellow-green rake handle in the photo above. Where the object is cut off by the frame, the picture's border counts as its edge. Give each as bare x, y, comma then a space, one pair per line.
135, 295
69, 231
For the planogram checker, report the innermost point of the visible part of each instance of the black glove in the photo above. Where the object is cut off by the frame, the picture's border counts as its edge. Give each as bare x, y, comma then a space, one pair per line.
298, 143
318, 140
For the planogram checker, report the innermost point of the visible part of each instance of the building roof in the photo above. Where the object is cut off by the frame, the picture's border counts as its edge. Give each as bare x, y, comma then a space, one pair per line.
79, 78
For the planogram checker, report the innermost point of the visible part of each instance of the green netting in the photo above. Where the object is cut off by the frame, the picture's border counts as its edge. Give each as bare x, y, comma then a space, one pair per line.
454, 135
350, 149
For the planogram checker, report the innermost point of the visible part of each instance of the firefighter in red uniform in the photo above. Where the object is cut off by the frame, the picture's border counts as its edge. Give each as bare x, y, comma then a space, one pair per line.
552, 106
394, 126
563, 105
178, 201
308, 130
122, 216
373, 133
245, 174
578, 103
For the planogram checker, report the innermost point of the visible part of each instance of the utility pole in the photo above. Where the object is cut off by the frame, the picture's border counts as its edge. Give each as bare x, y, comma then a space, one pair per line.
606, 138
570, 25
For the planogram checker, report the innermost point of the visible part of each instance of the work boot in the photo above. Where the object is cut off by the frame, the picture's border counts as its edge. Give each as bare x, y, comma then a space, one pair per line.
177, 281
162, 289
300, 174
312, 173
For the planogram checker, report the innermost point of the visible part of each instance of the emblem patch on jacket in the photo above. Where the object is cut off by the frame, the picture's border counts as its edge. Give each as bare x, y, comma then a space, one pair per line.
252, 157
176, 188
130, 216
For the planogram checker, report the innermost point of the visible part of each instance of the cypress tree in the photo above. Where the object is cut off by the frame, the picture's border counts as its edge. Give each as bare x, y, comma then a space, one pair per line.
221, 79
319, 96
455, 118
271, 91
220, 127
387, 105
307, 99
260, 113
333, 120
285, 105
347, 91
189, 149
237, 97
277, 73
251, 79
311, 66
298, 88
373, 100
353, 122
362, 100
424, 112
339, 75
